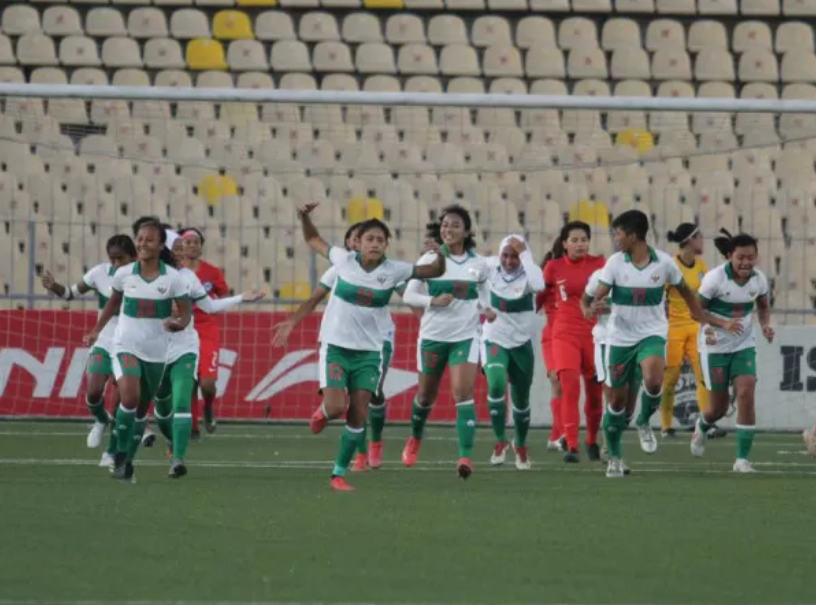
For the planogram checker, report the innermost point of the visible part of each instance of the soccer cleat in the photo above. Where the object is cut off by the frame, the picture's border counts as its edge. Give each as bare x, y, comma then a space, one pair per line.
318, 421
572, 456
122, 469
668, 433
499, 454
810, 442
177, 469
96, 434
626, 469
594, 452
375, 454
559, 445
149, 438
410, 452
464, 468
106, 461
210, 425
614, 468
522, 461
195, 435
716, 432
698, 440
741, 465
360, 463
339, 484
648, 443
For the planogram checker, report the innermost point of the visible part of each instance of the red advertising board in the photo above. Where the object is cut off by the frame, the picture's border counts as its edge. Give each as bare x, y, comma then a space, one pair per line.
42, 363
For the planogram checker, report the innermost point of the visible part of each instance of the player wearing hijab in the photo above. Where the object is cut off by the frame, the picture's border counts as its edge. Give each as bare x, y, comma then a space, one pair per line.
507, 349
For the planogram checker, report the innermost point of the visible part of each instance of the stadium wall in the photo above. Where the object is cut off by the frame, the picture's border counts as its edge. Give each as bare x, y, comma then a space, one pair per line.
42, 372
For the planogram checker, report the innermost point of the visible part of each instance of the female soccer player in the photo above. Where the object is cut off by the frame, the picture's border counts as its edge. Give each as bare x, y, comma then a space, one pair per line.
573, 347
351, 341
635, 279
730, 292
121, 252
143, 293
449, 332
507, 348
546, 301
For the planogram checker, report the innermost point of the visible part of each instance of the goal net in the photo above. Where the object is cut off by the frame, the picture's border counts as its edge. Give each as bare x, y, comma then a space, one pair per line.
79, 165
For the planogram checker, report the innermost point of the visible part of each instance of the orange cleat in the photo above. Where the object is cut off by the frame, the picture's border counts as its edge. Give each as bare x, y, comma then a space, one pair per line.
375, 454
318, 422
464, 468
360, 463
411, 451
339, 484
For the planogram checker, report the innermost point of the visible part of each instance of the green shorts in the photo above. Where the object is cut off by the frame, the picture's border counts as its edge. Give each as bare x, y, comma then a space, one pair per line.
623, 363
517, 363
720, 369
433, 356
349, 369
99, 362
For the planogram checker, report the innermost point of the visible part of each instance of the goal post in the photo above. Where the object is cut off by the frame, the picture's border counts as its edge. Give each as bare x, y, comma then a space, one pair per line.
80, 163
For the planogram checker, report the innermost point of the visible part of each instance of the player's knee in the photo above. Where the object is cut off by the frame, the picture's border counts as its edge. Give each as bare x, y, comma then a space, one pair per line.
496, 386
208, 389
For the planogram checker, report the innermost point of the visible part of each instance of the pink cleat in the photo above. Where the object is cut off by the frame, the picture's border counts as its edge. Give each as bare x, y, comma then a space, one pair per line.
339, 484
318, 421
360, 464
464, 468
411, 451
375, 454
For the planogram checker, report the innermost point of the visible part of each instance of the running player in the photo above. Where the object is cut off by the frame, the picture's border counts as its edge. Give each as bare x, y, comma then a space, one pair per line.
207, 327
730, 292
507, 348
546, 301
352, 342
121, 252
449, 332
635, 279
683, 330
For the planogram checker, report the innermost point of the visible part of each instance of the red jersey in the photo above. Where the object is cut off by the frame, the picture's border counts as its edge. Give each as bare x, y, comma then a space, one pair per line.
212, 278
568, 280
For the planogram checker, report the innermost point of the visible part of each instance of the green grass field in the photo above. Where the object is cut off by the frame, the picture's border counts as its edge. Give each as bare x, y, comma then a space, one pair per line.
256, 522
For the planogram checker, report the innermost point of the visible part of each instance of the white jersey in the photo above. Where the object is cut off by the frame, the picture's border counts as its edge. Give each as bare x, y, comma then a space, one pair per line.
599, 330
465, 278
329, 278
187, 342
358, 310
99, 279
513, 300
726, 298
145, 306
637, 297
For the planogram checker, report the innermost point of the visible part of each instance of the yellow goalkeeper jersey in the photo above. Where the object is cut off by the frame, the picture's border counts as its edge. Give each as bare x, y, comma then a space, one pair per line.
679, 314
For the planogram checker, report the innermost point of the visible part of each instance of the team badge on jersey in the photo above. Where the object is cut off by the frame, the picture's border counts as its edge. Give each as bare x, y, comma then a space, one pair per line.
162, 289
208, 286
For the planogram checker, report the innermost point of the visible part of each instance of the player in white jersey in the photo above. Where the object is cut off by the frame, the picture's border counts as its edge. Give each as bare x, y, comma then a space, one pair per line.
449, 332
635, 279
143, 294
507, 347
351, 341
98, 279
730, 292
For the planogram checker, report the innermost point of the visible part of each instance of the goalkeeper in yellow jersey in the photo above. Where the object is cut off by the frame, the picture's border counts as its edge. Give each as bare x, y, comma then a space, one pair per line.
683, 330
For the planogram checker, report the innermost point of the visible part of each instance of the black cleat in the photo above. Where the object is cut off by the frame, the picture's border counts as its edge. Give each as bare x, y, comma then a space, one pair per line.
149, 439
195, 436
716, 432
572, 456
594, 452
177, 469
122, 469
210, 425
669, 433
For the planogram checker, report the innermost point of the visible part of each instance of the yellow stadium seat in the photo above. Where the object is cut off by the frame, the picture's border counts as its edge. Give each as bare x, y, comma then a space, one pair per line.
360, 209
205, 54
232, 25
590, 212
257, 2
639, 140
383, 3
296, 290
214, 187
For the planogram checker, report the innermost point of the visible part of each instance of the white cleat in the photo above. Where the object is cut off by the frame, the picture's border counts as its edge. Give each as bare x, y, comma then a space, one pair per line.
96, 434
698, 440
810, 442
648, 442
614, 468
741, 465
556, 446
106, 461
499, 454
522, 461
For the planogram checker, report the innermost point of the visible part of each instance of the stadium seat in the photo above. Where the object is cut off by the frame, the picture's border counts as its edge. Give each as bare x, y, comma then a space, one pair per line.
61, 21
751, 35
490, 30
577, 33
20, 19
760, 7
205, 54
535, 30
447, 29
361, 27
232, 25
665, 34
189, 23
707, 34
798, 66
246, 55
620, 33
36, 50
77, 51
717, 7
163, 53
794, 35
147, 22
121, 52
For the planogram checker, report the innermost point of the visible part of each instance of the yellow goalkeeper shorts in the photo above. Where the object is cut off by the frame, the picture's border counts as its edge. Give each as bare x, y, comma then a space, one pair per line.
682, 344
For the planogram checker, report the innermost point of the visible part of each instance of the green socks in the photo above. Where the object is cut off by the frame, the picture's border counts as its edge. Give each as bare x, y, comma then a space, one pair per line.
98, 411
613, 425
745, 439
648, 406
182, 425
498, 417
376, 414
112, 440
704, 426
466, 427
521, 420
349, 442
139, 426
362, 445
125, 420
419, 416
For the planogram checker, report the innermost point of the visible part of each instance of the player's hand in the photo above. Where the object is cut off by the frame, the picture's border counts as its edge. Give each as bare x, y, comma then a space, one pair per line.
48, 280
432, 246
307, 208
90, 338
769, 333
733, 326
443, 300
173, 324
710, 336
251, 296
490, 315
281, 332
517, 245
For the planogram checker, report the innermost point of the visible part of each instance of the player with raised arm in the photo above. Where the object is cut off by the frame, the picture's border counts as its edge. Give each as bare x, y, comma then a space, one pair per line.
573, 346
546, 302
635, 280
449, 332
99, 372
351, 343
730, 292
143, 294
507, 348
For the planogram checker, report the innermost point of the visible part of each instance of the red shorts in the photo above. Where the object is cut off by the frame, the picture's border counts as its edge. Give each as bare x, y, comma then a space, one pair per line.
575, 353
208, 358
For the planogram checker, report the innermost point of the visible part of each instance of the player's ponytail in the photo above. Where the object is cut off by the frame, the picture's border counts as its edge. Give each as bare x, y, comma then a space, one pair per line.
724, 243
683, 233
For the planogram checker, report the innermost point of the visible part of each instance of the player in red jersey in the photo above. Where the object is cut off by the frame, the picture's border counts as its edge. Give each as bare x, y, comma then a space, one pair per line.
208, 331
546, 301
573, 345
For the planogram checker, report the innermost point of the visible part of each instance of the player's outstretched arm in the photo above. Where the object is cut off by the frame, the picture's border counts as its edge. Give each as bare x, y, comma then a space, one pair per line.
282, 330
435, 269
764, 312
211, 306
310, 232
53, 286
111, 309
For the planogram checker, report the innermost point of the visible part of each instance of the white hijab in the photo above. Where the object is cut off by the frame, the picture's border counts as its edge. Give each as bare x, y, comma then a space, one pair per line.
172, 236
504, 243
